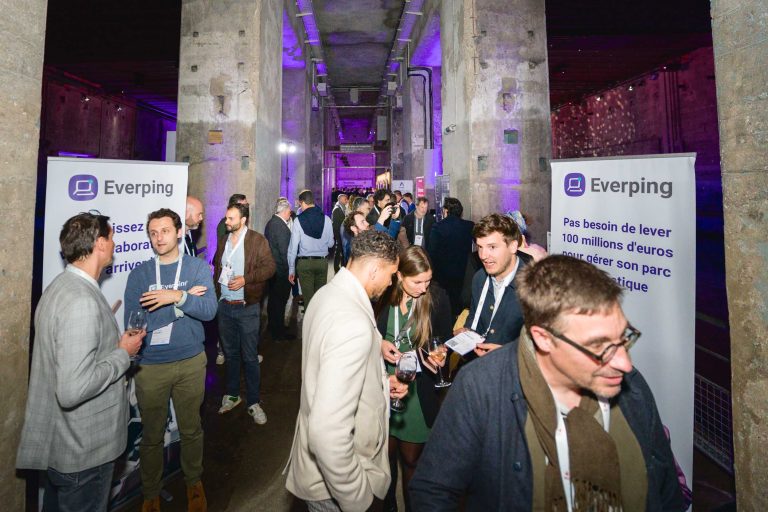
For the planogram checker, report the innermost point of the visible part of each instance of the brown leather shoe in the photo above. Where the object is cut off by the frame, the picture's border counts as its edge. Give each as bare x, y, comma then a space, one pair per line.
196, 501
152, 505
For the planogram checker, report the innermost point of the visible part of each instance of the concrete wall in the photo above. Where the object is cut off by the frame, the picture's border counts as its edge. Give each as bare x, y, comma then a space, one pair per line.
22, 37
230, 80
495, 80
295, 128
741, 51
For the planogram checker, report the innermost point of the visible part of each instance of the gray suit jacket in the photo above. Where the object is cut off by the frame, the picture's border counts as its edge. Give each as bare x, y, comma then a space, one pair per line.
77, 408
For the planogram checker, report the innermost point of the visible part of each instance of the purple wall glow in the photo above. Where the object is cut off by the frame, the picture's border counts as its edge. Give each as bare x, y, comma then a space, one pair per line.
293, 58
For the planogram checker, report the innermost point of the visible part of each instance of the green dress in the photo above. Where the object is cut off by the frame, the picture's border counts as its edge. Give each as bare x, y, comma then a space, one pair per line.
409, 425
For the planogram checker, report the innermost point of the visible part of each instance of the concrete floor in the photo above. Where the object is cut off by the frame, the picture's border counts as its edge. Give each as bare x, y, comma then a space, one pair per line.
244, 461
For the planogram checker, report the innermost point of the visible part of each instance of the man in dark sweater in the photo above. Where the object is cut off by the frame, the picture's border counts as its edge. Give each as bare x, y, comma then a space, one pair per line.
177, 291
568, 424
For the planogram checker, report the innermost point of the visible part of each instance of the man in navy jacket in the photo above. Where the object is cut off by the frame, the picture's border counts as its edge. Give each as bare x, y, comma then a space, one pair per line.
557, 416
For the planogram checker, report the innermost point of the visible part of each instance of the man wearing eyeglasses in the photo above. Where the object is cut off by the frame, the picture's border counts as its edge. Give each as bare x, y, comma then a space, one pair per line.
558, 419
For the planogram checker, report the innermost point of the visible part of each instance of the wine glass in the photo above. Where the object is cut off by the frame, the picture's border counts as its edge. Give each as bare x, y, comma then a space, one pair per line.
137, 322
438, 351
405, 371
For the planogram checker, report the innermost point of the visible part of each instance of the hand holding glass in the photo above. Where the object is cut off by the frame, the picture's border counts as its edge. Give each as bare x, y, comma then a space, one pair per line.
405, 371
438, 351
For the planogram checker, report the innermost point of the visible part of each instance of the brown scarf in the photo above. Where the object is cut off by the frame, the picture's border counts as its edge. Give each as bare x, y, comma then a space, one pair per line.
594, 460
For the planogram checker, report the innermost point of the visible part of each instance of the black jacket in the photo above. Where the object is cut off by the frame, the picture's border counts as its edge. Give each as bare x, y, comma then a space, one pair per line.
441, 326
483, 424
409, 223
509, 314
337, 218
278, 235
450, 243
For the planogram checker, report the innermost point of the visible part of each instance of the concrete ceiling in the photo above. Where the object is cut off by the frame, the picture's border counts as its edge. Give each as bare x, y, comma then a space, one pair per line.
133, 46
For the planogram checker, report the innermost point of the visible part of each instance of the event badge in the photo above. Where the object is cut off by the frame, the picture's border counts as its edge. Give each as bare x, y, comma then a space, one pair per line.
162, 336
226, 275
464, 342
418, 363
418, 240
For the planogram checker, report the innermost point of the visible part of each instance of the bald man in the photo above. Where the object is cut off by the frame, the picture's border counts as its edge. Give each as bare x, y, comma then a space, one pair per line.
192, 221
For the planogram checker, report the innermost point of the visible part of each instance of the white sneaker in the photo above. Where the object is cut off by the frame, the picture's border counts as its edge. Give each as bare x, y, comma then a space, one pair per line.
229, 402
259, 417
220, 359
261, 358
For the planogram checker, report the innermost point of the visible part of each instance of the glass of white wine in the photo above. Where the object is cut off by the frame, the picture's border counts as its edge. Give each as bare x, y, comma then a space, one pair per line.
438, 351
137, 322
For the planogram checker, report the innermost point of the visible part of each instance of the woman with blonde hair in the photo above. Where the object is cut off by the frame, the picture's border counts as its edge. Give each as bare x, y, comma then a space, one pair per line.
410, 313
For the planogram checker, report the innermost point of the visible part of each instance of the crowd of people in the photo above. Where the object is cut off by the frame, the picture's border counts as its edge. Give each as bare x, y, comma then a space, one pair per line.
532, 404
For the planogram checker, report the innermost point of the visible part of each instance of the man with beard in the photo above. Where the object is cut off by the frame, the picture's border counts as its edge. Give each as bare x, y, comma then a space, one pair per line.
495, 313
311, 238
242, 267
339, 456
558, 420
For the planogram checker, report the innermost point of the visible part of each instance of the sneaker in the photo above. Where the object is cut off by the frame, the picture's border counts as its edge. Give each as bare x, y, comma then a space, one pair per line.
228, 403
258, 414
220, 359
261, 358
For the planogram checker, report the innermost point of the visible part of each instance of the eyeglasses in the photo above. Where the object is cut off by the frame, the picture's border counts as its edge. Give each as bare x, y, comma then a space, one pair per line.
628, 338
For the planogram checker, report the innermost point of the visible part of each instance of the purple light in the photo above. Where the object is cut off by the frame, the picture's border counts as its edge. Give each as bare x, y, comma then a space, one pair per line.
293, 57
76, 155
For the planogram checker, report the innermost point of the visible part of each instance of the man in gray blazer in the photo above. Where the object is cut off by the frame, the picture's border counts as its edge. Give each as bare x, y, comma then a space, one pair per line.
76, 421
339, 456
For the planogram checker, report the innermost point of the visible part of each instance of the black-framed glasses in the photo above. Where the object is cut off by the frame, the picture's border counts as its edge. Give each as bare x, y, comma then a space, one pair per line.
628, 338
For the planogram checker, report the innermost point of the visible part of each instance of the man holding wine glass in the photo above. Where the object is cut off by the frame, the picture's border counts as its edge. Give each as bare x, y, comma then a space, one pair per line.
339, 458
75, 424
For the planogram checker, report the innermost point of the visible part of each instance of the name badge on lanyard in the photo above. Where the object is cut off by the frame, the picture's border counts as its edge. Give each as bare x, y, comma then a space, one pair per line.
227, 272
162, 336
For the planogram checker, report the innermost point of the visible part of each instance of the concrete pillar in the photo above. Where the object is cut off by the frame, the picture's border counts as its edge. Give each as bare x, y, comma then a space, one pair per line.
296, 112
230, 96
741, 51
22, 40
495, 104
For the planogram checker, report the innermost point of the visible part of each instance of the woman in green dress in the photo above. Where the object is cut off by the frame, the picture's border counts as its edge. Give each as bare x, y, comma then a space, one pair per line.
410, 313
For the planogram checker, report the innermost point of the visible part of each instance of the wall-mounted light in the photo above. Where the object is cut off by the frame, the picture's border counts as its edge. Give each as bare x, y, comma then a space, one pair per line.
450, 128
286, 147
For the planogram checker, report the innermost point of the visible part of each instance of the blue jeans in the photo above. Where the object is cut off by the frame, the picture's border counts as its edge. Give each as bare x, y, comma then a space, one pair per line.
75, 492
239, 326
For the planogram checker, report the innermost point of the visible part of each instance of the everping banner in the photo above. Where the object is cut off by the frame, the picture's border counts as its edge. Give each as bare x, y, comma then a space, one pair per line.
635, 217
126, 191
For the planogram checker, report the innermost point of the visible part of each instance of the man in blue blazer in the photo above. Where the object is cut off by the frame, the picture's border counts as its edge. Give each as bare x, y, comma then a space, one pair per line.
495, 312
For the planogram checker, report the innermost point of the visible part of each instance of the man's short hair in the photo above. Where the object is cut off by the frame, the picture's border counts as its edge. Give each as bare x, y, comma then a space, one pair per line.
241, 208
79, 234
422, 199
374, 244
497, 223
235, 199
307, 197
409, 196
380, 194
398, 193
559, 285
165, 212
281, 205
341, 195
349, 221
454, 207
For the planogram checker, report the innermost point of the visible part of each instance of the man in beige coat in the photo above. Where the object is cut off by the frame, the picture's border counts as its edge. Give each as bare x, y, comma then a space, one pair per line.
339, 456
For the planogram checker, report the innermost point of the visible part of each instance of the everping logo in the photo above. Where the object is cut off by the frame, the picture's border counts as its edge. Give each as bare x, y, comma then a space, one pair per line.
575, 184
83, 187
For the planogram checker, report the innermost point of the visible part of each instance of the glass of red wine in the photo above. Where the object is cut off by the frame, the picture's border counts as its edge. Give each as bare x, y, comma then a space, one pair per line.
405, 371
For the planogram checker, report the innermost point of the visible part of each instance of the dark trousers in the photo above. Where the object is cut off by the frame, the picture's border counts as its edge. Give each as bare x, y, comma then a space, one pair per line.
239, 331
75, 492
279, 290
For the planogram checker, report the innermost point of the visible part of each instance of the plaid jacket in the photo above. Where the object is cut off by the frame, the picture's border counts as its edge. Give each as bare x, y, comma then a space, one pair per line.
77, 408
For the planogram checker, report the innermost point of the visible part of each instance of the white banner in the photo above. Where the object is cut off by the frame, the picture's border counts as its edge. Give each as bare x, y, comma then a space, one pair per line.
126, 191
403, 186
635, 217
